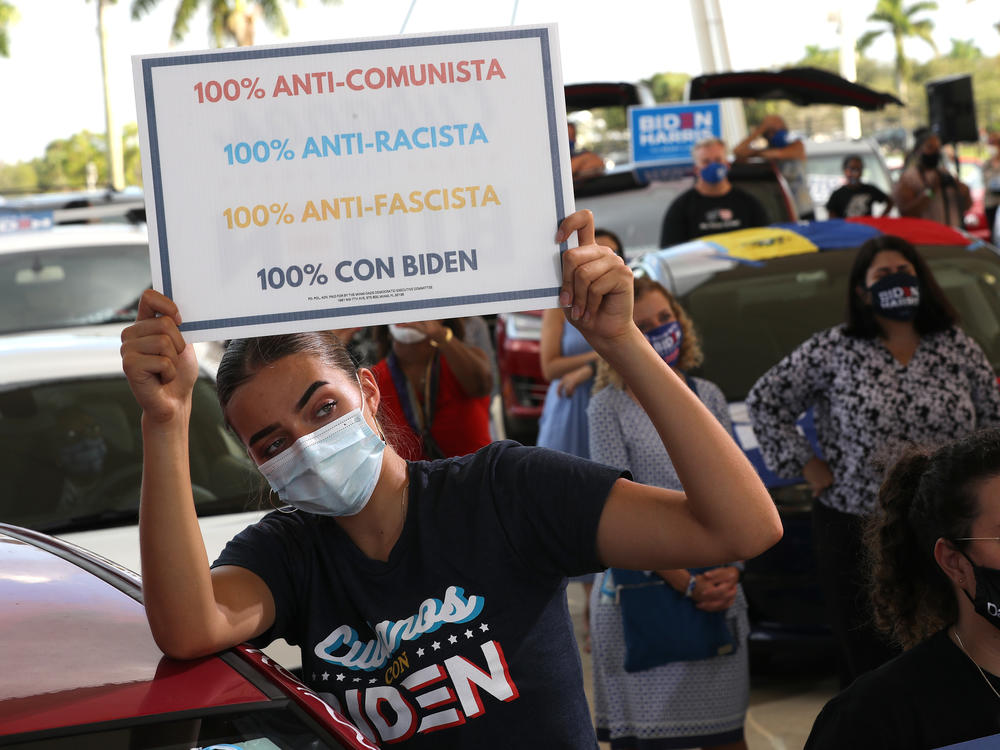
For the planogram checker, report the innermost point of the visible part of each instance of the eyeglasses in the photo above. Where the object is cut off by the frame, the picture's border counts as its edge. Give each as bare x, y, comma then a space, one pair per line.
977, 539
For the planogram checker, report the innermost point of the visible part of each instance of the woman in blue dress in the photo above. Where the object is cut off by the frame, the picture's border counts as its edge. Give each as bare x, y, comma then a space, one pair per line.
569, 363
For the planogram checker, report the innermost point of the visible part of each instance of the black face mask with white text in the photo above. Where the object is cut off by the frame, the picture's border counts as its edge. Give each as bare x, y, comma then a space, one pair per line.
987, 601
896, 296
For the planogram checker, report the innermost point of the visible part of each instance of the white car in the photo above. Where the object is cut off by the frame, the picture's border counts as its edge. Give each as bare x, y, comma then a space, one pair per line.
63, 276
69, 426
71, 449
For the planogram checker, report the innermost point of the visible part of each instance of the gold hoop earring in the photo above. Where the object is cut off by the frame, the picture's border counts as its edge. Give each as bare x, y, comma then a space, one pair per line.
282, 508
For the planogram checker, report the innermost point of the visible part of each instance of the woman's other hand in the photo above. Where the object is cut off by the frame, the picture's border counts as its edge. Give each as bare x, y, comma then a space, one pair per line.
571, 380
715, 590
817, 475
160, 367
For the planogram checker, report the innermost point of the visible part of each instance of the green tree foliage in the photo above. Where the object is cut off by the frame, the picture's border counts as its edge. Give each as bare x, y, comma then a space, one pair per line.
824, 59
668, 87
901, 22
228, 20
18, 178
965, 50
8, 17
64, 165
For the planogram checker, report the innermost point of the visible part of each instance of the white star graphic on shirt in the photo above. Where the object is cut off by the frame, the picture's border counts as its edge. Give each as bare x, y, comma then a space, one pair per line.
453, 639
325, 676
484, 627
372, 681
436, 645
468, 633
340, 678
420, 652
357, 679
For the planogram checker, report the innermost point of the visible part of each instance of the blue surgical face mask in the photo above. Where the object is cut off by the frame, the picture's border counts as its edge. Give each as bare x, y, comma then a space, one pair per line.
896, 296
713, 173
666, 340
332, 471
778, 139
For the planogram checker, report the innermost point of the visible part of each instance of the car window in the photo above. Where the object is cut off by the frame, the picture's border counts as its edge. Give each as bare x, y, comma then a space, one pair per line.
770, 195
257, 728
72, 287
71, 456
750, 317
603, 130
825, 173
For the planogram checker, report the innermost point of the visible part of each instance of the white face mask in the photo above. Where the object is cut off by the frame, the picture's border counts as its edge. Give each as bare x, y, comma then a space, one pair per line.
332, 471
406, 335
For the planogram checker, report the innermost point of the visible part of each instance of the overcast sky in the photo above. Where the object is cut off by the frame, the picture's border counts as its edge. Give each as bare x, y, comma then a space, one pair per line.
52, 80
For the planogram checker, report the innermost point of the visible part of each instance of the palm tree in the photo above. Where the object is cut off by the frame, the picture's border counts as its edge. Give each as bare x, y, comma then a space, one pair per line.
229, 20
8, 16
116, 170
900, 21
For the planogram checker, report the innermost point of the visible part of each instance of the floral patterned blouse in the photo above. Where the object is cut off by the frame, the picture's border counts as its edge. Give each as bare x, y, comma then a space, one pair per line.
868, 406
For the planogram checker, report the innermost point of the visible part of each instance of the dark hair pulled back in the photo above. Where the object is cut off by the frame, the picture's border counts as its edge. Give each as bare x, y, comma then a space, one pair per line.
243, 358
926, 495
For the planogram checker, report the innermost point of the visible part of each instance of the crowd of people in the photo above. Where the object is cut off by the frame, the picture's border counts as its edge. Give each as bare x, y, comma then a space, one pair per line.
400, 516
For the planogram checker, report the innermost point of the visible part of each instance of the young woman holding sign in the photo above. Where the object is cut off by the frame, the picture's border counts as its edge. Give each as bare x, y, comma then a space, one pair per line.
427, 597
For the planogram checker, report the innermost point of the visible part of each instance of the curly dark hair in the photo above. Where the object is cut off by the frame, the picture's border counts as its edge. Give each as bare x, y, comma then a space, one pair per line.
935, 313
927, 495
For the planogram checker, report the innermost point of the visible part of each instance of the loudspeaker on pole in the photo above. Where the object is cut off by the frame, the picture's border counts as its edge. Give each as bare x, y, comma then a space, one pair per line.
951, 110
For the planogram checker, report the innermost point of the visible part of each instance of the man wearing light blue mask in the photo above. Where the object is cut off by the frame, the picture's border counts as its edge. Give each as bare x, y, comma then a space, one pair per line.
788, 154
713, 204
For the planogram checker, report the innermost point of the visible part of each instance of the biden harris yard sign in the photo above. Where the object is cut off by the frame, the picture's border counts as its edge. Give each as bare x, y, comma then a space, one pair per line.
662, 136
338, 184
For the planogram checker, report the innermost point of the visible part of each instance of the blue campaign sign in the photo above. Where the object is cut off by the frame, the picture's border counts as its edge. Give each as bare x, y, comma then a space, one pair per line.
665, 133
26, 221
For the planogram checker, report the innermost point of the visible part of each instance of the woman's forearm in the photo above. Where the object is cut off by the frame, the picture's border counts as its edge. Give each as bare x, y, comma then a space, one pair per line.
176, 581
724, 494
470, 366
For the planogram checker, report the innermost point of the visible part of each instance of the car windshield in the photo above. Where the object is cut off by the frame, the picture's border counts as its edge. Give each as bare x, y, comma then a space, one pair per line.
825, 173
71, 456
749, 317
272, 727
68, 287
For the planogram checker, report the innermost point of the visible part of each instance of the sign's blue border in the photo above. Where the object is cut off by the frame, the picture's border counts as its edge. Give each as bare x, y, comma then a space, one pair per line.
149, 63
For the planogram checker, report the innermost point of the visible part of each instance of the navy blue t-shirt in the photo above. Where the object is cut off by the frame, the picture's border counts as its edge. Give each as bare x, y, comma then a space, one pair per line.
463, 637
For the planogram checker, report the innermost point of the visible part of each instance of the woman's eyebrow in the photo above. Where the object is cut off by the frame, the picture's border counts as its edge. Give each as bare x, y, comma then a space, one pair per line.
298, 407
309, 392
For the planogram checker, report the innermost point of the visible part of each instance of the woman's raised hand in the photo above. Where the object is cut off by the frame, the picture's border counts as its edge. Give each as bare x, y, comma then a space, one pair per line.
597, 285
161, 368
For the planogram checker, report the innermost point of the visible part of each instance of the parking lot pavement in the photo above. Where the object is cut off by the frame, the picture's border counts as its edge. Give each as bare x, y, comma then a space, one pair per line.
784, 698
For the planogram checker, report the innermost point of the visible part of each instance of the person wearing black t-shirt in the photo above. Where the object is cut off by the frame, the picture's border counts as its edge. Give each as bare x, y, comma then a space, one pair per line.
713, 205
428, 597
855, 198
936, 589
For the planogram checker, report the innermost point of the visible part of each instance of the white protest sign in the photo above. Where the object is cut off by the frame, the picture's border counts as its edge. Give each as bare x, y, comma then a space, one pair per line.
326, 185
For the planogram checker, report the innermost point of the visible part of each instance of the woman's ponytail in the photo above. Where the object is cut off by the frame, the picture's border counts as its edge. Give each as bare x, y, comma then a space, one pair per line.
926, 496
894, 550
